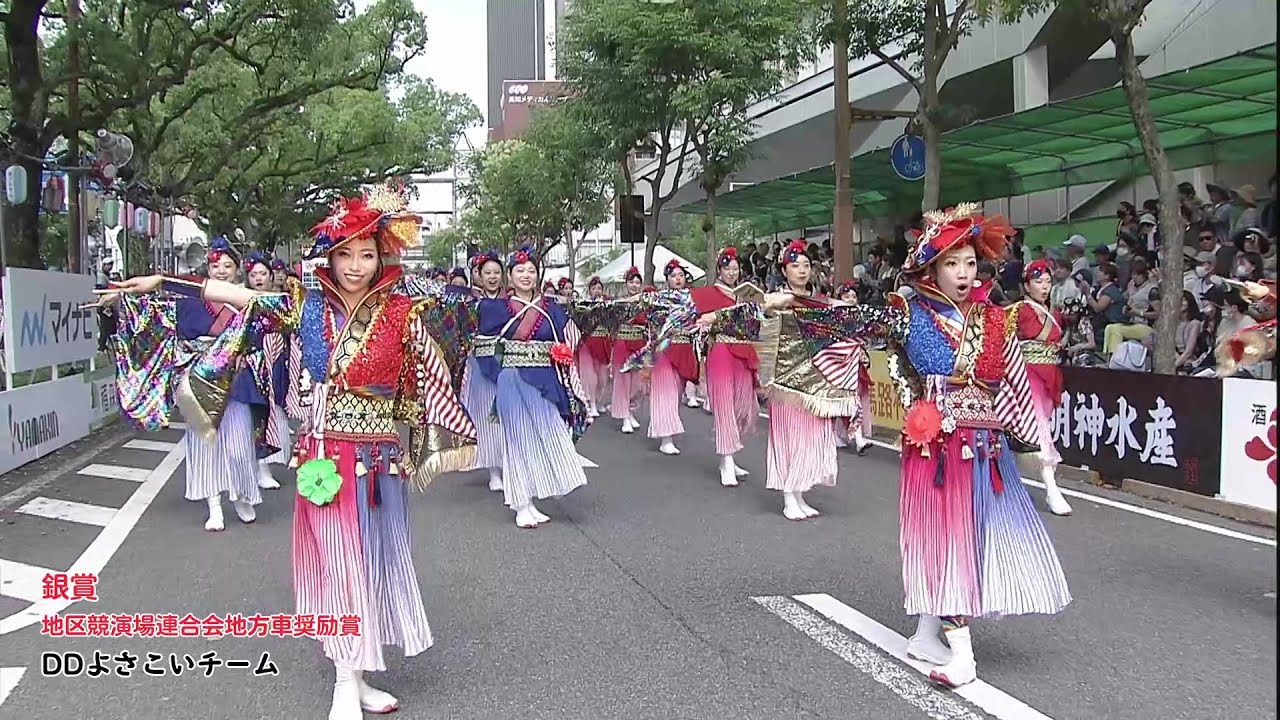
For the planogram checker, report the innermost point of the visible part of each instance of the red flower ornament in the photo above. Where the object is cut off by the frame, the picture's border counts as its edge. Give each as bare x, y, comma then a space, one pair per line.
562, 354
923, 423
1264, 450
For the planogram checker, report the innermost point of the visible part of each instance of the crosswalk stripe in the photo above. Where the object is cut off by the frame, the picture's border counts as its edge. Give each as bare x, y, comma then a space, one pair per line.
115, 472
177, 426
22, 581
157, 445
9, 677
584, 462
70, 511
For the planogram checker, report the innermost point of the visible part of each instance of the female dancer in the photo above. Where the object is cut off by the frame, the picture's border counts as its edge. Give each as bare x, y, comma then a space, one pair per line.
1040, 335
856, 429
564, 289
478, 391
279, 274
972, 543
370, 360
731, 371
458, 277
593, 357
630, 339
258, 277
672, 369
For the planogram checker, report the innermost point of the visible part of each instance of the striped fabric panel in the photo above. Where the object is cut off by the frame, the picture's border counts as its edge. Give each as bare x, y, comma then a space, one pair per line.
802, 449
732, 394
840, 363
293, 397
229, 464
573, 337
438, 401
664, 399
1014, 405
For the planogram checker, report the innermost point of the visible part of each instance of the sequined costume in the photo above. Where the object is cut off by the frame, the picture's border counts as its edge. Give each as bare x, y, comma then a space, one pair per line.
1039, 334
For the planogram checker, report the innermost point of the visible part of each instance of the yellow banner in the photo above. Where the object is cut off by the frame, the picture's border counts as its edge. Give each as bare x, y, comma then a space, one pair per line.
886, 411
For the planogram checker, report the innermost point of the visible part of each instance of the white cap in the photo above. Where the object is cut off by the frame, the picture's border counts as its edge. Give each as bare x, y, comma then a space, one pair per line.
1147, 219
1076, 241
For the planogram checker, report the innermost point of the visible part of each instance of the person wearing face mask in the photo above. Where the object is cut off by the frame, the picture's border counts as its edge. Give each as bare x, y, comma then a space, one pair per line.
274, 357
972, 543
372, 356
593, 357
1201, 278
627, 387
478, 392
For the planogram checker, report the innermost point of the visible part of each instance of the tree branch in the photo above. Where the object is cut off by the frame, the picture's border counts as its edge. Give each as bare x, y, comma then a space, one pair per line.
897, 67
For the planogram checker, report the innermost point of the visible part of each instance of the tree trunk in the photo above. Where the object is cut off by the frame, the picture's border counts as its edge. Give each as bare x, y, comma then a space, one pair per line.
1135, 90
28, 110
842, 216
709, 227
571, 252
932, 191
22, 223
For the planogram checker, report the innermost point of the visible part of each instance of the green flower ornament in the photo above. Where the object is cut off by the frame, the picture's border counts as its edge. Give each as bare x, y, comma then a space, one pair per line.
319, 481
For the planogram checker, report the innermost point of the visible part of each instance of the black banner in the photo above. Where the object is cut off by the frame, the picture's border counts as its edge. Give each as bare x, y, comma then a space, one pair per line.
1160, 429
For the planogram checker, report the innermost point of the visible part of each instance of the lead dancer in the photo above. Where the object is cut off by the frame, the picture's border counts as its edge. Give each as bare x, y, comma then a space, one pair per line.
478, 391
972, 543
672, 369
593, 357
630, 339
371, 352
1040, 336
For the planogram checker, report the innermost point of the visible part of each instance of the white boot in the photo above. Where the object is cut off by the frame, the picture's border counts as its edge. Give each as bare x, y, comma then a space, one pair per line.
373, 700
860, 443
265, 479
495, 479
962, 669
214, 523
592, 411
538, 514
841, 441
244, 510
346, 696
805, 507
926, 645
629, 425
1057, 504
691, 401
728, 477
791, 509
737, 469
525, 518
668, 447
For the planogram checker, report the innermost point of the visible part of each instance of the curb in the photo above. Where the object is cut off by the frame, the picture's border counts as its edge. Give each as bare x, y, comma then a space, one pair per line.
1030, 467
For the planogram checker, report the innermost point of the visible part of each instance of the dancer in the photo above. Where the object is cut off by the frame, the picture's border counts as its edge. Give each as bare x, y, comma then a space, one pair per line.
371, 359
279, 274
458, 277
630, 338
672, 369
478, 390
973, 545
593, 357
730, 367
564, 290
259, 277
856, 429
1040, 336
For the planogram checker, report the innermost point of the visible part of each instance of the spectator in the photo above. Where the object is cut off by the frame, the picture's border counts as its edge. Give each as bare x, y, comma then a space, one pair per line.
1075, 252
987, 279
1127, 249
1138, 292
1190, 323
1102, 255
1200, 280
1077, 335
1218, 212
1270, 215
1149, 232
1064, 288
1244, 201
1248, 267
1191, 204
1234, 311
1255, 240
1107, 301
1011, 271
1127, 217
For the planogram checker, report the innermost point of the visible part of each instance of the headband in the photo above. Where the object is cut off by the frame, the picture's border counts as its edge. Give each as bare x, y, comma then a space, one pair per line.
792, 252
255, 258
479, 259
458, 272
632, 272
523, 254
220, 246
673, 266
726, 256
1035, 269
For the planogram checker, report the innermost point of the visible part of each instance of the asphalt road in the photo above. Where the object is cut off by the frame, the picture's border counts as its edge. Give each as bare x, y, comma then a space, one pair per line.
653, 594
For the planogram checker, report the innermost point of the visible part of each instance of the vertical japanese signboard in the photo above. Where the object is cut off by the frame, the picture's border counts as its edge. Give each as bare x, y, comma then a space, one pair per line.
886, 408
1249, 442
1160, 429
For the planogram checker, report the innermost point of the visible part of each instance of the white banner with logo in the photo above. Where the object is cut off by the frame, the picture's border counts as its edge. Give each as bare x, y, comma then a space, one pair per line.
41, 418
43, 322
1249, 442
104, 404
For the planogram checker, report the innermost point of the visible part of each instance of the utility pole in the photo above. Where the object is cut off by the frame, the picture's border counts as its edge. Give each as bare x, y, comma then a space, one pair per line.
842, 243
74, 209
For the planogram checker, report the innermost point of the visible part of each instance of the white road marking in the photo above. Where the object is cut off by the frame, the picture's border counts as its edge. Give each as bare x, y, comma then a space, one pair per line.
99, 552
90, 448
22, 581
995, 702
115, 472
9, 678
584, 462
156, 445
177, 426
1139, 510
70, 511
935, 703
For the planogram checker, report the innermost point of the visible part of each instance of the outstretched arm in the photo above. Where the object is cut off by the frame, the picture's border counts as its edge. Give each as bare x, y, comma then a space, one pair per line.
216, 291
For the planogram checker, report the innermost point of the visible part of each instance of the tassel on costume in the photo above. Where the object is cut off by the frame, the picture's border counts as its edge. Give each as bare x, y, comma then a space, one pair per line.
361, 470
966, 452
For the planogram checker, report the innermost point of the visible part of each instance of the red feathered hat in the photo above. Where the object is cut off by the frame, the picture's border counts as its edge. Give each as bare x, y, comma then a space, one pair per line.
792, 252
726, 256
1035, 269
672, 266
632, 272
379, 213
949, 229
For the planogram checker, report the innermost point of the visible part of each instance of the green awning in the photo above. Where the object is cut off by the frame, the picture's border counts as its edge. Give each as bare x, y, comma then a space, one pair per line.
1218, 113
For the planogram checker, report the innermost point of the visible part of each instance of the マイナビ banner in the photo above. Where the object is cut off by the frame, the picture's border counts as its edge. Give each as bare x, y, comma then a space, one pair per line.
44, 323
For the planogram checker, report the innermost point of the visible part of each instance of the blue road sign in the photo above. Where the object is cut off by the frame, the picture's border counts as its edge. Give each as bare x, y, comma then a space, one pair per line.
907, 157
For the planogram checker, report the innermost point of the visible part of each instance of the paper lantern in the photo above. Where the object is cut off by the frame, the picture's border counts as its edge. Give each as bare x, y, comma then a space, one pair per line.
111, 212
15, 184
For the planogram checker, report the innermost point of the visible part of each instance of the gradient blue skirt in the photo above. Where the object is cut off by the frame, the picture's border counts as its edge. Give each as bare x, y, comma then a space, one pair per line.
539, 460
477, 397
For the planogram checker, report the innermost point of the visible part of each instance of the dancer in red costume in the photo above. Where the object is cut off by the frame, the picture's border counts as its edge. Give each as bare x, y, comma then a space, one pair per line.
593, 358
631, 336
1040, 336
672, 369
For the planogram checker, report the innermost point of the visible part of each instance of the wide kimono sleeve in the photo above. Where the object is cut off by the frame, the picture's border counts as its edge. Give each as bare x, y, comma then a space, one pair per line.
442, 437
451, 316
151, 357
201, 392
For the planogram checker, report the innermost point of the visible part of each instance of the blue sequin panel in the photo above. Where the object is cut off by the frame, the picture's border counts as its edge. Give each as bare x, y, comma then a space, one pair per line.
315, 348
928, 349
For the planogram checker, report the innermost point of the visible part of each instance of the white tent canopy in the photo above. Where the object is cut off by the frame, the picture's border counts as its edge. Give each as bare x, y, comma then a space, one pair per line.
614, 273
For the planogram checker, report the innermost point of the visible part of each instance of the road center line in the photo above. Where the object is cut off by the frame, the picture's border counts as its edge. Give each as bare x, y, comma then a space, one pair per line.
935, 703
994, 701
99, 552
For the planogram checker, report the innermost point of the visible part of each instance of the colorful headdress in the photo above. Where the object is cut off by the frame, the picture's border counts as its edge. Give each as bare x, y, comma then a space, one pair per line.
548, 288
523, 254
458, 272
438, 273
672, 266
945, 230
564, 282
278, 264
479, 259
846, 287
726, 256
220, 246
632, 272
595, 280
792, 252
1035, 269
379, 213
255, 257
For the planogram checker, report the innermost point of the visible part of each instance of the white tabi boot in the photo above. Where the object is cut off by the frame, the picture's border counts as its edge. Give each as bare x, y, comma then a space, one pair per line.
373, 700
266, 480
807, 509
668, 447
926, 645
728, 477
791, 509
1057, 504
860, 442
962, 669
738, 469
495, 479
538, 514
346, 695
243, 509
592, 411
525, 519
629, 425
215, 523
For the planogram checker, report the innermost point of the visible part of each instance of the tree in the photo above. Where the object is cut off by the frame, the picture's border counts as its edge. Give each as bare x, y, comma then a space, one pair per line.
505, 203
689, 237
668, 70
442, 246
1121, 18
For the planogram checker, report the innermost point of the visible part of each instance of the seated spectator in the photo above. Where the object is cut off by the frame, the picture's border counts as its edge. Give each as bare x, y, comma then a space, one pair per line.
1190, 328
1078, 345
1128, 250
1254, 240
1149, 233
1201, 278
1248, 267
1074, 247
1246, 215
1064, 288
1106, 301
1139, 314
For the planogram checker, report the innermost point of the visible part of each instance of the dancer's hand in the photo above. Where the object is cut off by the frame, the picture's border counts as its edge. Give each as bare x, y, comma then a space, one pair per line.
778, 301
1254, 291
134, 286
705, 321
